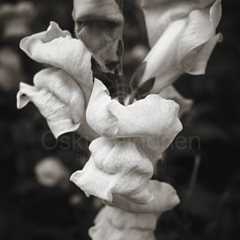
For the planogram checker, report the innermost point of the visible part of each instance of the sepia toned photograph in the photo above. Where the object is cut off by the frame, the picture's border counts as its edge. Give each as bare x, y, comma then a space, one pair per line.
119, 120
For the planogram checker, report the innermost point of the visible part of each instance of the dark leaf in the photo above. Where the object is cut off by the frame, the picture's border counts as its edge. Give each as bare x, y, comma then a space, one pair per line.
137, 76
145, 88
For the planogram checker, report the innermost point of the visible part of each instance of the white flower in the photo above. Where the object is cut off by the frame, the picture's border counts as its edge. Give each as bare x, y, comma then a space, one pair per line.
113, 223
182, 35
61, 93
121, 162
152, 116
58, 98
57, 48
164, 198
116, 167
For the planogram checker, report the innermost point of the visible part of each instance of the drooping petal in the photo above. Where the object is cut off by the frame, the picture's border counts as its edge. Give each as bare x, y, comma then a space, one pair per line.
164, 199
183, 36
99, 24
152, 116
116, 167
58, 98
58, 49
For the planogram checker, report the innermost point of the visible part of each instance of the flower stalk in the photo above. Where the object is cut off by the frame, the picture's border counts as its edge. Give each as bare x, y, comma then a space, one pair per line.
128, 134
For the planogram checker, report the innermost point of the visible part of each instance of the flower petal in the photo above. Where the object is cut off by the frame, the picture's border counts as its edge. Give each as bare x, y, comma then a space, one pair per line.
183, 40
104, 230
152, 116
99, 24
159, 14
114, 223
161, 61
199, 39
164, 199
58, 49
58, 98
120, 169
121, 219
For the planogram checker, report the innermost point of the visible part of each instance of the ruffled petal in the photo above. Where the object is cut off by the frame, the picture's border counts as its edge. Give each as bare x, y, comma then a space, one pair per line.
152, 116
116, 167
58, 98
58, 49
121, 219
183, 36
99, 24
164, 199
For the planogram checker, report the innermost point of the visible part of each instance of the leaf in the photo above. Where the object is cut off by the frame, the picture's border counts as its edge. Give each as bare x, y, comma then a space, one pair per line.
145, 88
136, 78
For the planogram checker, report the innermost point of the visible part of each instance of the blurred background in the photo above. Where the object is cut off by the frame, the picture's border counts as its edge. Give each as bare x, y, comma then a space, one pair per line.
37, 202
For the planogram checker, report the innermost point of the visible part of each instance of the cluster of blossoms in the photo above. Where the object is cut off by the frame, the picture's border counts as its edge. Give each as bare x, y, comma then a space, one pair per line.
129, 137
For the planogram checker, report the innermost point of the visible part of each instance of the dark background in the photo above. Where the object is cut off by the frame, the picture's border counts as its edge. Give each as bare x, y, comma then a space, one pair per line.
204, 169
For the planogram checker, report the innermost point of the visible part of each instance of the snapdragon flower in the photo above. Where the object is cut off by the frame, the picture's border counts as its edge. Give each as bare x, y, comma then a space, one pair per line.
131, 134
182, 35
60, 92
120, 164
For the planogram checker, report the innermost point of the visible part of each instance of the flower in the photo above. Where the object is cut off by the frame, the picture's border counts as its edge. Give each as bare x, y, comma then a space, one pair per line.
120, 160
119, 168
108, 117
60, 92
99, 24
182, 35
58, 49
58, 98
113, 223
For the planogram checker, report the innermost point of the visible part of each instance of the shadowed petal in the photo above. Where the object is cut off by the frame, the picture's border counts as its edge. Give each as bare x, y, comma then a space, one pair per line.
99, 24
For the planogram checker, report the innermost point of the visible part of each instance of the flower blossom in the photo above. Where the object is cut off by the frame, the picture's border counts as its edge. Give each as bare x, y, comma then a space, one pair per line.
61, 91
99, 24
182, 35
119, 162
